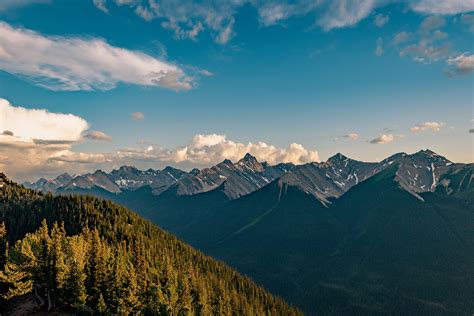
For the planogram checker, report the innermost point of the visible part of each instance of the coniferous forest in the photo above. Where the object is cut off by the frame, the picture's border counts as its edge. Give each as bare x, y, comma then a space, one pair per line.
85, 255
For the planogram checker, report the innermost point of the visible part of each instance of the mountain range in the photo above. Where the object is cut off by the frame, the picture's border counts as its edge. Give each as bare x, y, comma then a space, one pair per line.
337, 237
419, 172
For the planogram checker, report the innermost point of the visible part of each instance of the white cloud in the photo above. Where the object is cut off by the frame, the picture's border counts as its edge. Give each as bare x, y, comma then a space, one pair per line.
352, 136
379, 51
442, 7
462, 64
137, 116
188, 19
343, 13
62, 63
32, 136
31, 124
425, 126
205, 150
380, 20
98, 135
383, 139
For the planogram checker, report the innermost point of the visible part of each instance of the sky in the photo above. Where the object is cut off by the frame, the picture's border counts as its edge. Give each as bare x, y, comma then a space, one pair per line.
97, 84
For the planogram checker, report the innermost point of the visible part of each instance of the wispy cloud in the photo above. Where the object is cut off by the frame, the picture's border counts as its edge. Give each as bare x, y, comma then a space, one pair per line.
11, 4
383, 139
462, 64
73, 63
380, 20
188, 19
137, 116
100, 4
98, 135
352, 136
401, 37
379, 50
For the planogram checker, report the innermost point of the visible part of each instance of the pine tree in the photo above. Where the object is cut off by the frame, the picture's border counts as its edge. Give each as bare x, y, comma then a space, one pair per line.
101, 305
58, 264
74, 283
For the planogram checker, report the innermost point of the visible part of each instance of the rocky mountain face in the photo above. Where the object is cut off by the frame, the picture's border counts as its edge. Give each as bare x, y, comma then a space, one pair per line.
51, 185
417, 173
330, 179
238, 179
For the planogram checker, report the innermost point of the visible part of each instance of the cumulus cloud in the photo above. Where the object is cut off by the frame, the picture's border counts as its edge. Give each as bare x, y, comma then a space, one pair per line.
73, 63
462, 64
214, 148
32, 136
206, 150
98, 135
380, 20
137, 116
383, 139
426, 126
29, 124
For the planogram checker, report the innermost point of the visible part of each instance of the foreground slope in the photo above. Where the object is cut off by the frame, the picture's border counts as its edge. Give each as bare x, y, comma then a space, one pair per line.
168, 276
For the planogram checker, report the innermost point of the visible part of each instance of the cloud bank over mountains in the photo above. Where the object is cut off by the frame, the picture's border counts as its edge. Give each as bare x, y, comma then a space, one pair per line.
36, 142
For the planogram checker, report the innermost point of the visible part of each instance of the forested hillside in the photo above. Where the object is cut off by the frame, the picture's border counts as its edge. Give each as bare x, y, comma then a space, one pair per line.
79, 253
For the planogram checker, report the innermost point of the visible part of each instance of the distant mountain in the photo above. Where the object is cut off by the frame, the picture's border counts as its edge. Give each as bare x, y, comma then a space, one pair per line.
330, 179
50, 185
419, 172
241, 178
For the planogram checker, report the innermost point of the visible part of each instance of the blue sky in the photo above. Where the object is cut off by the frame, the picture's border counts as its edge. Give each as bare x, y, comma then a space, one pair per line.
328, 76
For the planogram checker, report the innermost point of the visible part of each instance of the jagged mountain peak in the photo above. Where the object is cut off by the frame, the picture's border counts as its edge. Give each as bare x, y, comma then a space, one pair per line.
430, 155
194, 171
248, 157
337, 157
226, 162
128, 168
